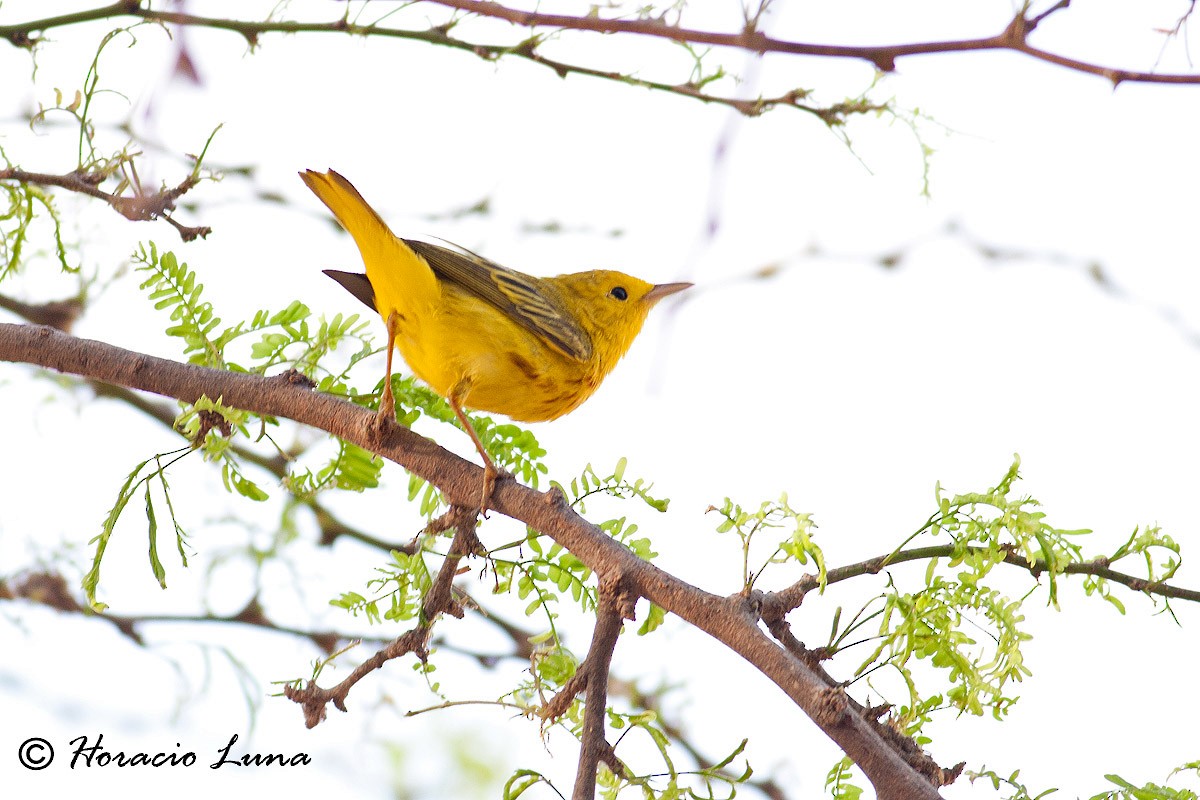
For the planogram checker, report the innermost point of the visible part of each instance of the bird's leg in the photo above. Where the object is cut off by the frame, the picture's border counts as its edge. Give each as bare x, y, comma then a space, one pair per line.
490, 473
387, 401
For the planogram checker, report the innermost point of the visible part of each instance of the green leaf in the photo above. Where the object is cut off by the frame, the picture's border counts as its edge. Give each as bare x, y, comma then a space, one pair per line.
160, 573
521, 780
654, 619
91, 580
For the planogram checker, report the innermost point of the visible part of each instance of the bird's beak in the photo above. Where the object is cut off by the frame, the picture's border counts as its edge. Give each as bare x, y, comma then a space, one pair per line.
663, 290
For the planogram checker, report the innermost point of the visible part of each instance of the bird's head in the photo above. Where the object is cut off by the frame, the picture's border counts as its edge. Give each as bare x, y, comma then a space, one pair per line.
612, 306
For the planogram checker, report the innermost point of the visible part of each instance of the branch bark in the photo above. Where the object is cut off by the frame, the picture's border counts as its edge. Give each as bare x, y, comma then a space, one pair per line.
733, 621
883, 57
790, 598
137, 207
595, 747
438, 600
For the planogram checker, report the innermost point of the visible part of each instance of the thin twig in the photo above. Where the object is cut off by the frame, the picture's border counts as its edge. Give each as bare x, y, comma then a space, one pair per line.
136, 207
791, 597
1014, 37
882, 56
438, 600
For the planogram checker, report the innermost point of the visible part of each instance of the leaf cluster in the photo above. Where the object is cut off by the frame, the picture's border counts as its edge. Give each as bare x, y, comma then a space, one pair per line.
285, 338
21, 206
751, 526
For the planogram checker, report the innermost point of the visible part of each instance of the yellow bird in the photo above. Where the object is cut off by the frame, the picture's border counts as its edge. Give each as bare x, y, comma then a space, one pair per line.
484, 336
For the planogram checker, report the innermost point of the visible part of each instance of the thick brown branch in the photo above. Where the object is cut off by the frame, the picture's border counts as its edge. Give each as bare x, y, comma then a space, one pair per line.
61, 314
838, 702
732, 621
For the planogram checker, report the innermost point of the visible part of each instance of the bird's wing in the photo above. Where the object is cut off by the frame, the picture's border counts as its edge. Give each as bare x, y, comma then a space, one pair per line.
515, 294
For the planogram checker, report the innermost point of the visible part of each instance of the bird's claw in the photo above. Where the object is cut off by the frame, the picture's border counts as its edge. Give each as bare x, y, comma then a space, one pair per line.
491, 474
382, 424
385, 416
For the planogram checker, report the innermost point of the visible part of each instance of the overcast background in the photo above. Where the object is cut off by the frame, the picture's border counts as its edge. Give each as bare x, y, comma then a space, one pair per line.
852, 387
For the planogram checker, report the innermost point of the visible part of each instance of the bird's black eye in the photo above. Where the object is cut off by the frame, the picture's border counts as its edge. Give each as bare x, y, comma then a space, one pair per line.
619, 293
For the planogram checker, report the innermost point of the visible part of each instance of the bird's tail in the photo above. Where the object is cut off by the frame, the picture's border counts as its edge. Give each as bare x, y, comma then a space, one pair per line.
399, 277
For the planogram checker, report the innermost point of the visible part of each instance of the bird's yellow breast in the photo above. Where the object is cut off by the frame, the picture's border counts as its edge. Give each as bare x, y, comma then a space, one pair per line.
467, 347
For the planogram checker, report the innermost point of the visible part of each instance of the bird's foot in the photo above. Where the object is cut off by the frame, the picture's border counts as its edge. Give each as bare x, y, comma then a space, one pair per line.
491, 474
383, 423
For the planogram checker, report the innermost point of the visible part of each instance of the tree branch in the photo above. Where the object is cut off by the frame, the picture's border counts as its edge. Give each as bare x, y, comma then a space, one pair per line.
60, 314
732, 621
23, 35
313, 699
837, 697
791, 597
595, 747
438, 601
137, 207
50, 589
882, 57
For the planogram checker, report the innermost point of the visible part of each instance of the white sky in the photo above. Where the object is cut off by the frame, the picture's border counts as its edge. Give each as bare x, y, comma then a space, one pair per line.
851, 387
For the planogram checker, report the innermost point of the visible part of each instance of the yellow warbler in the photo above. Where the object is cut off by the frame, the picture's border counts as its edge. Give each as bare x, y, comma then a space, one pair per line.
484, 336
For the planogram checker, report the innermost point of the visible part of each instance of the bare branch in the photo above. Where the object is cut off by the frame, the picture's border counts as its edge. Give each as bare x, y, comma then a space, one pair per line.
137, 207
60, 314
51, 589
313, 698
883, 57
595, 747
